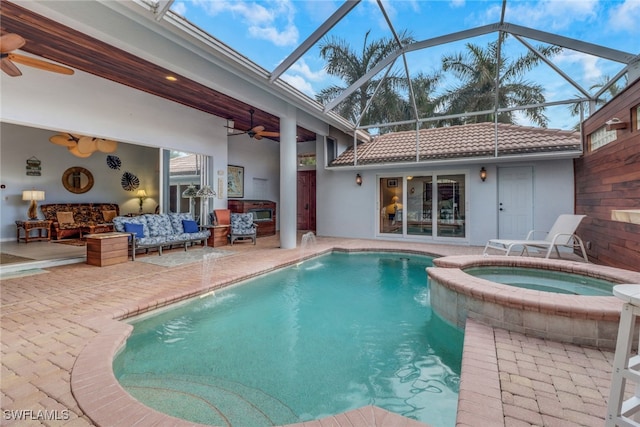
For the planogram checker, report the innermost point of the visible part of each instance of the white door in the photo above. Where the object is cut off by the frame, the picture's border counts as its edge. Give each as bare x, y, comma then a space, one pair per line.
515, 202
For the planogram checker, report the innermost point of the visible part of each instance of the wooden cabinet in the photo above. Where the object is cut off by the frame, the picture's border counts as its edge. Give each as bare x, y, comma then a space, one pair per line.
218, 235
107, 248
264, 214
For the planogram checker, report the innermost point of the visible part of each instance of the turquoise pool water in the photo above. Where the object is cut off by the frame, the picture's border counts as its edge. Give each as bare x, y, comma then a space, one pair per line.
544, 280
336, 333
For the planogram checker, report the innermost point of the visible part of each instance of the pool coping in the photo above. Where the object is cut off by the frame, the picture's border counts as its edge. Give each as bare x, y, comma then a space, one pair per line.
100, 395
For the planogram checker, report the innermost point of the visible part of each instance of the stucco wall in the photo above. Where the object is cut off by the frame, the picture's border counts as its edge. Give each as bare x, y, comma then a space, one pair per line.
347, 210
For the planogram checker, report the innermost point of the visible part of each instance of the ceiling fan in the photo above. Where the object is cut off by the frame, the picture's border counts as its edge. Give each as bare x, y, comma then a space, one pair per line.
10, 42
255, 132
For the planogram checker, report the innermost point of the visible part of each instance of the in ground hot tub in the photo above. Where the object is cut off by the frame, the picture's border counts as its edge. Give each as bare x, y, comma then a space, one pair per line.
578, 319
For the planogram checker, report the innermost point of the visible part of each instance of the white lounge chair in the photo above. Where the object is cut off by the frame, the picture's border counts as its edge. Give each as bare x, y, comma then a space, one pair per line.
561, 234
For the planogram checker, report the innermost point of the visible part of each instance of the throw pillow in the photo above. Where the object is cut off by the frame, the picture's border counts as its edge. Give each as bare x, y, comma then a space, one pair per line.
190, 226
138, 229
108, 215
65, 217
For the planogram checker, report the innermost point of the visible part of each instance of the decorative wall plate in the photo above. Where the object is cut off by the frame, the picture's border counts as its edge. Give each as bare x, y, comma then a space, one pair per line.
114, 162
129, 181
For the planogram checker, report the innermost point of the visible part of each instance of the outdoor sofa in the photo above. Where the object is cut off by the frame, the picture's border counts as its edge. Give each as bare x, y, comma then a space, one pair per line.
158, 230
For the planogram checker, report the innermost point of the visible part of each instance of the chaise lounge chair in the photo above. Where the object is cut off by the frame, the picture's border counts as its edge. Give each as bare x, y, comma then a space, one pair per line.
561, 234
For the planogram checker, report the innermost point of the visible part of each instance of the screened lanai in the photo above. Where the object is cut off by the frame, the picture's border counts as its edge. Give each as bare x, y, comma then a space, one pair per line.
406, 61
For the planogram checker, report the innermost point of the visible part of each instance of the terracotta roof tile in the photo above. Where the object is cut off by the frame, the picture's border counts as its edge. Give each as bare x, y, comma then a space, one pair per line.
463, 141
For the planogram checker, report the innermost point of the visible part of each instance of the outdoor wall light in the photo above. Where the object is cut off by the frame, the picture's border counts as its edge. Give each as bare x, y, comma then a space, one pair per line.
615, 124
483, 174
358, 179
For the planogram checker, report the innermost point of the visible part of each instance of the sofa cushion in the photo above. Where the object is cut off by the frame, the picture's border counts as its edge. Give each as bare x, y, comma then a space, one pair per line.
108, 215
190, 226
159, 225
138, 229
118, 223
65, 217
176, 221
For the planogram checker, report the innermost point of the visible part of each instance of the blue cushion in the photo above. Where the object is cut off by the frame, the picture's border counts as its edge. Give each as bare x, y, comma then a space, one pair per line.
138, 229
190, 226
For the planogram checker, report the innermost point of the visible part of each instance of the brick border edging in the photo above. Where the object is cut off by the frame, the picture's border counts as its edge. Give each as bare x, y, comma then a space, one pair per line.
480, 393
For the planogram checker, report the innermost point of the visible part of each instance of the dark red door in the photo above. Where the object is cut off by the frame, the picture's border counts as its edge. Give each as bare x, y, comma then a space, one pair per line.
306, 200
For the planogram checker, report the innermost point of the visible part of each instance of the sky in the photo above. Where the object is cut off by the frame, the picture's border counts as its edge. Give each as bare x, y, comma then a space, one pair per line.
266, 32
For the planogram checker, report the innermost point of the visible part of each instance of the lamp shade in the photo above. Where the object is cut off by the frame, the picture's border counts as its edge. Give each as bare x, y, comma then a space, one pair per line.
33, 195
206, 191
141, 193
191, 191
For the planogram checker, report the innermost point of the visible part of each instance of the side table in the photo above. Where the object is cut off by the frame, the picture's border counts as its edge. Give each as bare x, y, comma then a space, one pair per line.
218, 235
107, 248
27, 226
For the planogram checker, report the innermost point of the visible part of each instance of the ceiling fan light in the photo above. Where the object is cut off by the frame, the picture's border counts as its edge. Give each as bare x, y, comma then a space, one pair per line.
87, 145
74, 150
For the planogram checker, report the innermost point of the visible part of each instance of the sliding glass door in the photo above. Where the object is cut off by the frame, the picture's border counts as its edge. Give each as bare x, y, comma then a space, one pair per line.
391, 197
431, 206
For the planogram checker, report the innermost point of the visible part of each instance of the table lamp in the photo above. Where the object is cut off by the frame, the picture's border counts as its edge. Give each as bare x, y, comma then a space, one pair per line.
141, 195
34, 196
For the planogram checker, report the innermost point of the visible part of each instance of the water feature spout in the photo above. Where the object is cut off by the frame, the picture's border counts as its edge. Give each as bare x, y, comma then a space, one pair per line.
308, 241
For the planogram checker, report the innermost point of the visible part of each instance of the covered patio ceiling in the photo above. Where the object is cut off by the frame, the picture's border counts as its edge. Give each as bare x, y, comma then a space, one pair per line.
100, 51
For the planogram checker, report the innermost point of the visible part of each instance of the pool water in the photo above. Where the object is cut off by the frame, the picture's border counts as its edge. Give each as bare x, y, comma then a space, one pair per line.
544, 280
333, 334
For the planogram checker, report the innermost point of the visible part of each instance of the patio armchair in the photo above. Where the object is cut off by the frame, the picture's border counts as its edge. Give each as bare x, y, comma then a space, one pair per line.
562, 233
242, 227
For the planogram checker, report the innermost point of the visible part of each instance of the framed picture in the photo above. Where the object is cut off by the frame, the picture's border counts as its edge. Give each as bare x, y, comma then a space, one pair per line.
392, 182
235, 181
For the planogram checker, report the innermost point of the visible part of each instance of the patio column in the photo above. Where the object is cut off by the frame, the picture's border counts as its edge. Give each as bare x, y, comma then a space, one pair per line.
288, 179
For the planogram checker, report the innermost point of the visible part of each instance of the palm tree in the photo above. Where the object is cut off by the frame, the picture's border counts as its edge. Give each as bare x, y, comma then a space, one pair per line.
611, 91
477, 68
343, 62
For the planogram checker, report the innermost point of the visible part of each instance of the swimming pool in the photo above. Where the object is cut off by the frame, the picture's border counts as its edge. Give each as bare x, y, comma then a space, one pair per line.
336, 333
544, 280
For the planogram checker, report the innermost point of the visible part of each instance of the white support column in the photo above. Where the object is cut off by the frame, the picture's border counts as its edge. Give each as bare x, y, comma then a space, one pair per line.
288, 179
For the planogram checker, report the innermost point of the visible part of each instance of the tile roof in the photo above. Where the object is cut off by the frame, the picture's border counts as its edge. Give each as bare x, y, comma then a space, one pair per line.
464, 141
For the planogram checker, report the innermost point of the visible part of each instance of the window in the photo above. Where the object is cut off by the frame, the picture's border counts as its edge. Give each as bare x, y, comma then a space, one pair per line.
305, 160
635, 117
601, 137
332, 150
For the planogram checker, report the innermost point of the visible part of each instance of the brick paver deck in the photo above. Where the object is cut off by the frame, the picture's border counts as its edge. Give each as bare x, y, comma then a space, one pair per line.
48, 319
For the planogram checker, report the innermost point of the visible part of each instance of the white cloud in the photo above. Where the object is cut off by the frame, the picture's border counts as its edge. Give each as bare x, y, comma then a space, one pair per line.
299, 83
589, 65
552, 14
457, 3
625, 17
273, 21
180, 8
301, 67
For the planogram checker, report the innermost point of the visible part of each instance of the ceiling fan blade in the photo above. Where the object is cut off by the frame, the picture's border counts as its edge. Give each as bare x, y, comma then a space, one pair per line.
257, 136
258, 129
39, 63
269, 134
63, 140
9, 42
9, 67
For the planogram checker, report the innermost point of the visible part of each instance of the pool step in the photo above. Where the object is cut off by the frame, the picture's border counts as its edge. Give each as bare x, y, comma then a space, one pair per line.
208, 400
